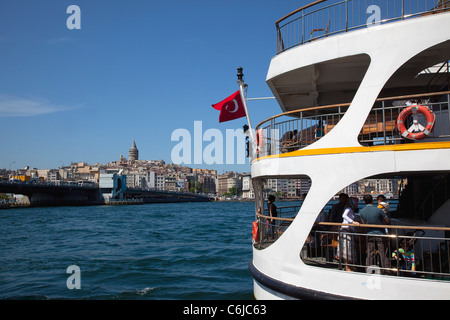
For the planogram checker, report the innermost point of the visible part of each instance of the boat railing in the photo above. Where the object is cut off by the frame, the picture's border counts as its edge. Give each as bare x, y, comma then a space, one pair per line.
271, 228
297, 129
325, 18
411, 251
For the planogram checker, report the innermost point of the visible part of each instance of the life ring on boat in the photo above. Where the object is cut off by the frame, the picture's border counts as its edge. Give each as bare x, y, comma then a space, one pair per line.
259, 139
416, 131
255, 231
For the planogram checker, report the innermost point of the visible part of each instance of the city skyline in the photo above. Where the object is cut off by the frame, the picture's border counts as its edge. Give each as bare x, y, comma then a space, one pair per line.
130, 156
135, 70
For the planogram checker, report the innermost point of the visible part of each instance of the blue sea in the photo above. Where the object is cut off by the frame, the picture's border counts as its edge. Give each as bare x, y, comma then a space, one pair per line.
188, 251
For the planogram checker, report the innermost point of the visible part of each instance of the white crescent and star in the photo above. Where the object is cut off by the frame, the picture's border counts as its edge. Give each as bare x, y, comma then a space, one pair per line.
236, 107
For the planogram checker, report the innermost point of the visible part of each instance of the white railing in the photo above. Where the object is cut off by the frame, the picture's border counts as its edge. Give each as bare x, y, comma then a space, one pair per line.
297, 129
411, 251
325, 18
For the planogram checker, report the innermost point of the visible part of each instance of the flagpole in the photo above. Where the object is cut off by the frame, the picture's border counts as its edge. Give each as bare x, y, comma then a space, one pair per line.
241, 83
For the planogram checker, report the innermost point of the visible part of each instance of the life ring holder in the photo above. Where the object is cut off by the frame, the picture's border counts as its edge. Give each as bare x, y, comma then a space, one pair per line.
416, 131
255, 231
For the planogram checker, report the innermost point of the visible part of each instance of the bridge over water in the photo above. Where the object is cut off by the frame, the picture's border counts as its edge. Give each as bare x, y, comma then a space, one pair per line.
44, 194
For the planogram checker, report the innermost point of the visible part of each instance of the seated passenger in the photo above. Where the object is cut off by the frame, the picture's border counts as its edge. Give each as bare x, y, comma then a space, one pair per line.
320, 131
288, 141
405, 255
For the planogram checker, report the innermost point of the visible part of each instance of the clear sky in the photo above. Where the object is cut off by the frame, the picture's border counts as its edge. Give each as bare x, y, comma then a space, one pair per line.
136, 69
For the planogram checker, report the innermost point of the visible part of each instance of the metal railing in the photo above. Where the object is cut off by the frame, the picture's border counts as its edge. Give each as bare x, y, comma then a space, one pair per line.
283, 133
271, 228
325, 18
411, 251
381, 124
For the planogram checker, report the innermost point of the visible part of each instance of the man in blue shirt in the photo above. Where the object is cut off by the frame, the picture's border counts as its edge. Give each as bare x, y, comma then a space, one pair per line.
370, 214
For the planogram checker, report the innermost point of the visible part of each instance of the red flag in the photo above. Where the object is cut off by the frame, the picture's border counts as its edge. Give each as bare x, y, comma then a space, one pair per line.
231, 108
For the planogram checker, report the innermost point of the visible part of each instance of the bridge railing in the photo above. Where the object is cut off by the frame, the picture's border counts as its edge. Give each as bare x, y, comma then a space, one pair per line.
48, 184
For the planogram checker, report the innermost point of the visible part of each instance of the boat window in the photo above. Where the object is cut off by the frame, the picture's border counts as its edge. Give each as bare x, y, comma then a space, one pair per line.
414, 243
413, 106
278, 201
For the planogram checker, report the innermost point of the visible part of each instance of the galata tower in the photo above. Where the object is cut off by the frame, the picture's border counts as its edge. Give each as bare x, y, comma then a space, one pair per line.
133, 154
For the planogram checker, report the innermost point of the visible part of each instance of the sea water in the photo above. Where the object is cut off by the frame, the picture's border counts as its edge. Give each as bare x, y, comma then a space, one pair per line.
152, 251
170, 251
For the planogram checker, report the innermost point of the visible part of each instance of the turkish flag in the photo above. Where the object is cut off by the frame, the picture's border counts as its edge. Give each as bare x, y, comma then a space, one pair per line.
230, 108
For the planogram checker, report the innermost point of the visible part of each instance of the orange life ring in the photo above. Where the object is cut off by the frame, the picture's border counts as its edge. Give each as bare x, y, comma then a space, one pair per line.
416, 131
259, 139
255, 231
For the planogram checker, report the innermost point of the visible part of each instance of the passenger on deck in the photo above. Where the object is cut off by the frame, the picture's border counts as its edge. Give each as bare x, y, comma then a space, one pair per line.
287, 136
320, 131
338, 209
288, 141
272, 208
370, 214
346, 249
383, 205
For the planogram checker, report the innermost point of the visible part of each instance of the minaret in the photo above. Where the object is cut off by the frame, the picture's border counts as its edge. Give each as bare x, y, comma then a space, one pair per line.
133, 154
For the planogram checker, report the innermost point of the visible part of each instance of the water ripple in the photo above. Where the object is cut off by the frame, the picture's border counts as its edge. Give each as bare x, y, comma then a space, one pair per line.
158, 251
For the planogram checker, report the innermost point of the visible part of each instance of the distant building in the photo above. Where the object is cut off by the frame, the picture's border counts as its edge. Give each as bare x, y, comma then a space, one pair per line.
133, 154
227, 181
247, 187
112, 185
208, 183
171, 184
137, 179
351, 189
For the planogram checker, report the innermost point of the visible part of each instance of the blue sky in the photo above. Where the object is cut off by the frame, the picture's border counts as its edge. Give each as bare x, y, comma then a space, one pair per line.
136, 70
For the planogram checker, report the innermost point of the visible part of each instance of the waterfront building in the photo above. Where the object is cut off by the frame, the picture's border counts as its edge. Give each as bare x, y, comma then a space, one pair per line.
303, 186
137, 179
247, 187
43, 173
156, 180
227, 181
208, 183
351, 189
112, 185
378, 186
274, 186
53, 175
171, 184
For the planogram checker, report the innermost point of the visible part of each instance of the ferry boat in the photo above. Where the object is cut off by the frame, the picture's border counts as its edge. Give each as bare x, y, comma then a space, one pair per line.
364, 94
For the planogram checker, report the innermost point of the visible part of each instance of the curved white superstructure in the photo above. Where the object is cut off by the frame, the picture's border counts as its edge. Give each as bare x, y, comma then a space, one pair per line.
362, 65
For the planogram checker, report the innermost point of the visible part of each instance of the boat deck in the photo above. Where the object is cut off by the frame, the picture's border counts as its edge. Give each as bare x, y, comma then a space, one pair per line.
283, 134
430, 247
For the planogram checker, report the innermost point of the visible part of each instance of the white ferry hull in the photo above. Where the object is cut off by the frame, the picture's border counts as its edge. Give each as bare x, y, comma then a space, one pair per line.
338, 159
311, 283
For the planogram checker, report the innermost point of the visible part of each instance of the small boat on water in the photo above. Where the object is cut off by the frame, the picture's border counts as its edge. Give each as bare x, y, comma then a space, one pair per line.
364, 94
